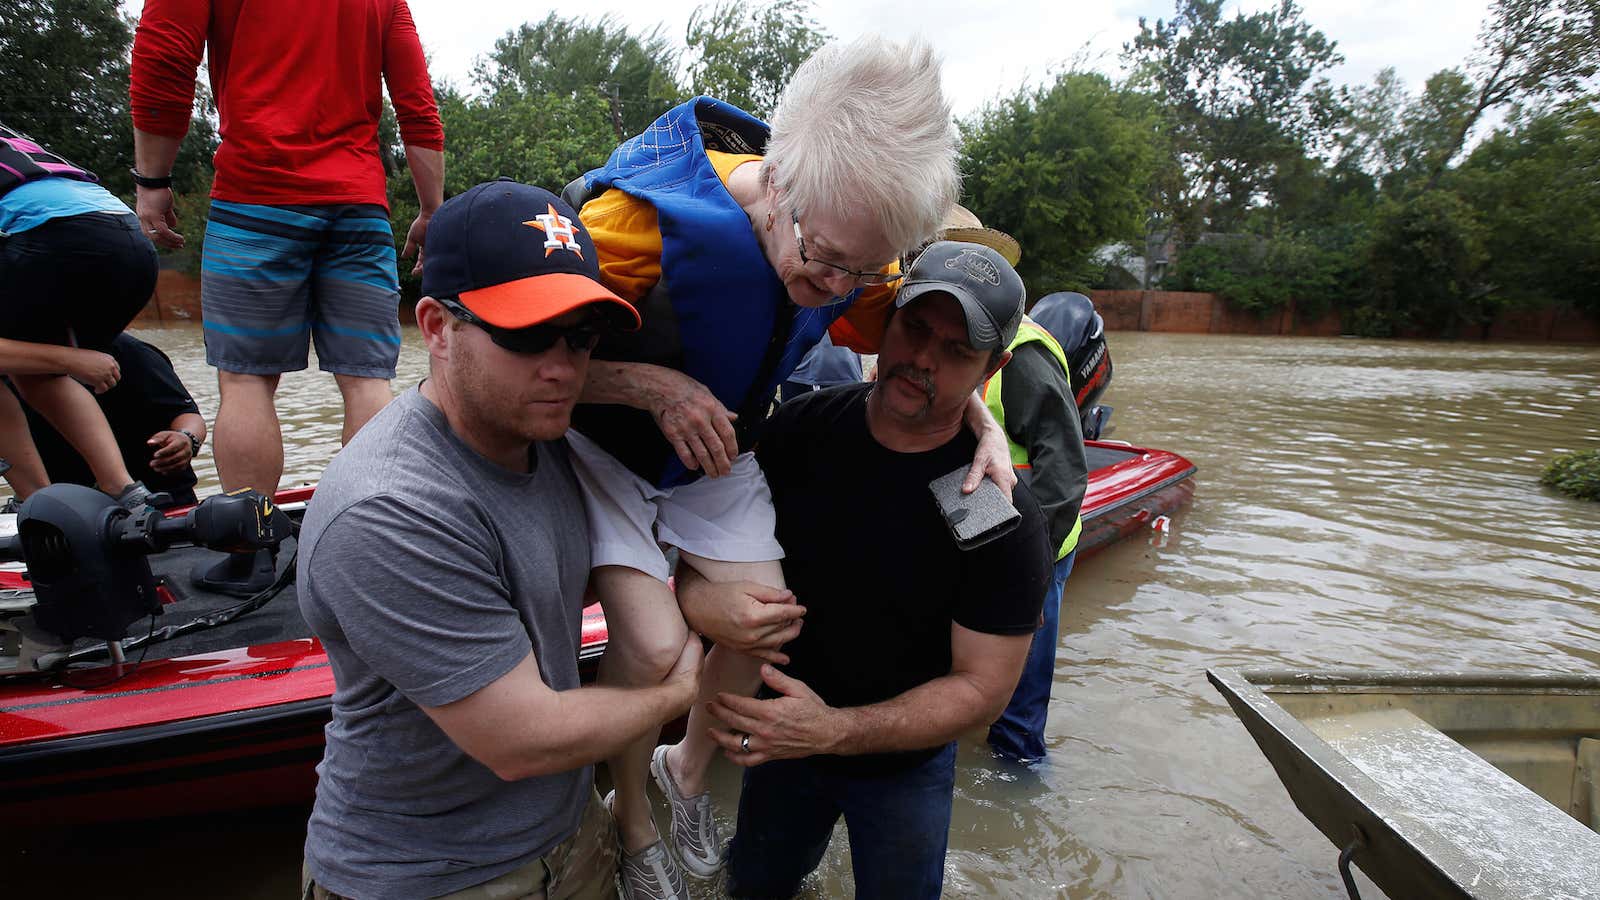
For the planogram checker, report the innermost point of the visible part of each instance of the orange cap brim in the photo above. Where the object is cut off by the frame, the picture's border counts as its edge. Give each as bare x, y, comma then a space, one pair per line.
529, 301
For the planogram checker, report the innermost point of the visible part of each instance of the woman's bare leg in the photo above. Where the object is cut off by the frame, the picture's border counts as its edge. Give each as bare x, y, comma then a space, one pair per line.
27, 473
646, 635
71, 409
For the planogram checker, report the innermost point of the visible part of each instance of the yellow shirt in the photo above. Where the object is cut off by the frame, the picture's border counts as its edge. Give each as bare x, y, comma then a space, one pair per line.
627, 237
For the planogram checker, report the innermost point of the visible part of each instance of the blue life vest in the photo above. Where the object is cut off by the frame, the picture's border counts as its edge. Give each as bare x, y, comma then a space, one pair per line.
23, 160
719, 314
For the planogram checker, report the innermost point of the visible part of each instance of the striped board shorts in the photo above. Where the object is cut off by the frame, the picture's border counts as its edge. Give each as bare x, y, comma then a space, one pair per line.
272, 276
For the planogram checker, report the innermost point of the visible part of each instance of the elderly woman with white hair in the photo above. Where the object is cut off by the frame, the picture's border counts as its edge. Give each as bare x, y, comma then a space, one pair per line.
741, 246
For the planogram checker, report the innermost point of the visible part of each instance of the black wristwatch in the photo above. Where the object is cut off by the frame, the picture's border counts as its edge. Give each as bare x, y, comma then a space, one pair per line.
156, 183
194, 442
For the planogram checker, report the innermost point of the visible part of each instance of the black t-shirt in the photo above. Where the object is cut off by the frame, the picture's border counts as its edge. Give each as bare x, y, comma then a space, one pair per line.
146, 400
869, 555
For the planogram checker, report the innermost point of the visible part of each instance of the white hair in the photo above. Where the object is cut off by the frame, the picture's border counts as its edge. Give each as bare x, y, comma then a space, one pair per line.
865, 129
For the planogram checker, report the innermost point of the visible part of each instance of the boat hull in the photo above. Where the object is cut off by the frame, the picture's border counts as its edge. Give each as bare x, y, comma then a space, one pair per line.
242, 727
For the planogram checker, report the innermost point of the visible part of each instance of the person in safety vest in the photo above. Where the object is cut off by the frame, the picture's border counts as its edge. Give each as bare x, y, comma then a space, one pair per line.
75, 269
1032, 397
741, 245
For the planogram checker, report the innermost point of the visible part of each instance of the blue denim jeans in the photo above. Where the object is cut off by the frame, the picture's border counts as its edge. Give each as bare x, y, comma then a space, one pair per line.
899, 826
1019, 732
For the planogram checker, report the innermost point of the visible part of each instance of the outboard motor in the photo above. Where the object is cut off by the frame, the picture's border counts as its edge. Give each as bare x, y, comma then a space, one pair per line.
1071, 320
86, 554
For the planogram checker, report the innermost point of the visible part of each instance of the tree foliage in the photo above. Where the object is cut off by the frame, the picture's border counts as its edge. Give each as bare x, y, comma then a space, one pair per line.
1528, 50
1062, 169
64, 80
1239, 96
1396, 138
579, 60
744, 53
1422, 266
1263, 274
1536, 187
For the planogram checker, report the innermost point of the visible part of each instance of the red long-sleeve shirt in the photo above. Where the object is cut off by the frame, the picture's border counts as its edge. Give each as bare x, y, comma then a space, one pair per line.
298, 89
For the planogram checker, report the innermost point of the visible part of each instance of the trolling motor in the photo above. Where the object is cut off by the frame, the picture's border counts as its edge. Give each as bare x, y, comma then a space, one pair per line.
1070, 318
86, 554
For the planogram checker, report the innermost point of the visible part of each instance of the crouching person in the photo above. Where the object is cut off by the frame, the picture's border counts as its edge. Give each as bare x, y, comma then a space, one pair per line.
443, 565
908, 641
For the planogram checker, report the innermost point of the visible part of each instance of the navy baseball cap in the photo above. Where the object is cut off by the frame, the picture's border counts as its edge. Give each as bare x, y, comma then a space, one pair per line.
515, 255
989, 291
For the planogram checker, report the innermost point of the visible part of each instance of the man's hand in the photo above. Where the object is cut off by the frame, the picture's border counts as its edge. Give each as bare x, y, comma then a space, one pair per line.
790, 726
97, 371
684, 679
696, 423
414, 240
171, 451
157, 217
746, 616
993, 459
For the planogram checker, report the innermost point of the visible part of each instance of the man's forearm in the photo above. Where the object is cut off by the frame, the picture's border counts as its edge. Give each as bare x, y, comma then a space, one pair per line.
928, 715
154, 155
585, 726
427, 175
194, 423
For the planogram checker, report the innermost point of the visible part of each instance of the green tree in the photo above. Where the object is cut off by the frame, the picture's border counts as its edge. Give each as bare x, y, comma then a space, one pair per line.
64, 80
1064, 170
745, 53
1262, 274
1423, 263
1396, 138
1529, 50
542, 139
1534, 185
1240, 96
577, 59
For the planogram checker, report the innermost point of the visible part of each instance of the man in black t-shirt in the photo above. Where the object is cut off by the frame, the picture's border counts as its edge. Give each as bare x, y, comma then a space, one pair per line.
908, 641
157, 425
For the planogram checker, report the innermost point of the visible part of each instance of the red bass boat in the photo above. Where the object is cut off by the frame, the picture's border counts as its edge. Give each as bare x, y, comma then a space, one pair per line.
227, 711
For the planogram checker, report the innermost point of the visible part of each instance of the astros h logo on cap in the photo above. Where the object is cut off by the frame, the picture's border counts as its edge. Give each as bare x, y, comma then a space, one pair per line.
515, 255
561, 231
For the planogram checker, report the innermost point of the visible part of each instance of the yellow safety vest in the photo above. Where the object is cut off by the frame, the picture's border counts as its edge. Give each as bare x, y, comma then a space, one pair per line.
1029, 330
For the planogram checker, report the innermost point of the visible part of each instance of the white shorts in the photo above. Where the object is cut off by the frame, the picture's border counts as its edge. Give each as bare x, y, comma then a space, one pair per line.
728, 519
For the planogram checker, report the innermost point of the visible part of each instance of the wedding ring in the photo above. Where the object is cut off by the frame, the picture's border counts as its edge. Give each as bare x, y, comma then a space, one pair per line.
744, 743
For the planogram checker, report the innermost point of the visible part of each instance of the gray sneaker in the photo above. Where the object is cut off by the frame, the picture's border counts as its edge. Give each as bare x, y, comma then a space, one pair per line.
135, 497
694, 829
649, 874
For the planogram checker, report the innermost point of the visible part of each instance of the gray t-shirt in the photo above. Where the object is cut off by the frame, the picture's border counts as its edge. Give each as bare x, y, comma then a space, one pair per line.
429, 572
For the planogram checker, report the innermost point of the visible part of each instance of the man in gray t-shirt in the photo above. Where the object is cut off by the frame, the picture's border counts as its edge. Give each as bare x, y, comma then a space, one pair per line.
443, 564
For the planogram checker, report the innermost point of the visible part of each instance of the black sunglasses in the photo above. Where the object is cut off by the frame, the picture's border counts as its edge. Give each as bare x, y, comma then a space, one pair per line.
580, 338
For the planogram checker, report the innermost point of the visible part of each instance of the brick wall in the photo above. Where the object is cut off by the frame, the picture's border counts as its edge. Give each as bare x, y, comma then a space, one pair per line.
1198, 313
177, 299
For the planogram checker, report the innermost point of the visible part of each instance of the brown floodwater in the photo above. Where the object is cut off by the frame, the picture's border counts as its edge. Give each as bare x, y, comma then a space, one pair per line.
1361, 504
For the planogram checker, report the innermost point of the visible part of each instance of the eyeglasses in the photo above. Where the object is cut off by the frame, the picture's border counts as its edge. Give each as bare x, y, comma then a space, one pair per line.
580, 338
859, 277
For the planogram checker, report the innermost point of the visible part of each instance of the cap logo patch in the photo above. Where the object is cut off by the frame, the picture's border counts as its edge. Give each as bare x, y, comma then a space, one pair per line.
975, 265
559, 232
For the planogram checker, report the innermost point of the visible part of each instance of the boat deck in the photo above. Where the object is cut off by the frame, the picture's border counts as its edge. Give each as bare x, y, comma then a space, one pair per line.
1443, 785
